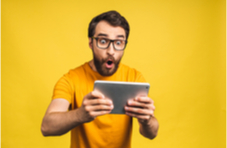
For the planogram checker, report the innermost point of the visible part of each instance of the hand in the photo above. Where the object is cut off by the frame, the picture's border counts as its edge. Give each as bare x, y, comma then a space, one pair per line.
142, 108
94, 104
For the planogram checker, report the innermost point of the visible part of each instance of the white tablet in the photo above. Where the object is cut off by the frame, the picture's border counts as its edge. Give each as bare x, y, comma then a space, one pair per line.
120, 92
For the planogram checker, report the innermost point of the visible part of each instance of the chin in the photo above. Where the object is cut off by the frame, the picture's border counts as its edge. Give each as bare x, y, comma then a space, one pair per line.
106, 72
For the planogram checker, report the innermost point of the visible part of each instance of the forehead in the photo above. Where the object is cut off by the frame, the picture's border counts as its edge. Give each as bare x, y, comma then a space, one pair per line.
104, 27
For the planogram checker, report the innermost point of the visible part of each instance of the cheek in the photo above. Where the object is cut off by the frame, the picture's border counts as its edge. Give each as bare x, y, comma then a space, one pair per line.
119, 55
99, 53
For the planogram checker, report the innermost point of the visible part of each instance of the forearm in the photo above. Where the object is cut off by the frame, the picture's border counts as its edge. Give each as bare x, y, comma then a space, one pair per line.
58, 120
149, 129
58, 123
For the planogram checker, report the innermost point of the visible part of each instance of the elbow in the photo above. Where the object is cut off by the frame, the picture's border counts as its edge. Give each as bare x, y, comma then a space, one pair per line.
153, 136
44, 130
154, 133
149, 135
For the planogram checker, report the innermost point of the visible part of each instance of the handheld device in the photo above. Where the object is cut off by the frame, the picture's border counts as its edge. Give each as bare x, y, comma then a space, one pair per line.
120, 92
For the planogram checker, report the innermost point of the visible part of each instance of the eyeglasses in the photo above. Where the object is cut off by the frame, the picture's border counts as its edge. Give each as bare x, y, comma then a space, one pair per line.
104, 43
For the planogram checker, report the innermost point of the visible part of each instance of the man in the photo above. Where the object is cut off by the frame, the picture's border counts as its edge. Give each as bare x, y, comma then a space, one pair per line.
89, 120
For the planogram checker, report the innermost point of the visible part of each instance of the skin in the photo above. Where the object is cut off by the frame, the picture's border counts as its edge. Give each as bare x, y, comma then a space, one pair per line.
143, 108
58, 120
103, 29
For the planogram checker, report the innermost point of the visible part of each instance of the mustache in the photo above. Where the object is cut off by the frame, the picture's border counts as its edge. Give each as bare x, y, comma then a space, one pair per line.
109, 58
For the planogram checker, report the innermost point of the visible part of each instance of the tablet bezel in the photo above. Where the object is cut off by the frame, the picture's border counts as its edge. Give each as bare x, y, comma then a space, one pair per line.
119, 92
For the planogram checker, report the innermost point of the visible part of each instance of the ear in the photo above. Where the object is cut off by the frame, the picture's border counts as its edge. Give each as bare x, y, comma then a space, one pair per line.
90, 43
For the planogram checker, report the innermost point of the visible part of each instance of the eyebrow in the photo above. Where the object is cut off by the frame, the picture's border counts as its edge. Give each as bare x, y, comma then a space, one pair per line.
121, 36
101, 34
105, 35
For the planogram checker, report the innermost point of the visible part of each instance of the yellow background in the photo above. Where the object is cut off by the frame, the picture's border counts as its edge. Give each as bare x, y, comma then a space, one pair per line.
178, 45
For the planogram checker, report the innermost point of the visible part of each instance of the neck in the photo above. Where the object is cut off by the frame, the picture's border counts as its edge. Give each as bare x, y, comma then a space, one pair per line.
92, 65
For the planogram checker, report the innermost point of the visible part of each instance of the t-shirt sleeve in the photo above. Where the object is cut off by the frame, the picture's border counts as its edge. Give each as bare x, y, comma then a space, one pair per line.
63, 89
140, 78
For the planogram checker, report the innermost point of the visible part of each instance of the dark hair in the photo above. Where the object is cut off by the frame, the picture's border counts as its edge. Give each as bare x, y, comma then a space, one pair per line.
113, 18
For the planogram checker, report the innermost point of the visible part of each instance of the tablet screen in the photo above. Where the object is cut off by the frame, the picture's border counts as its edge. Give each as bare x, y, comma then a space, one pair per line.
120, 92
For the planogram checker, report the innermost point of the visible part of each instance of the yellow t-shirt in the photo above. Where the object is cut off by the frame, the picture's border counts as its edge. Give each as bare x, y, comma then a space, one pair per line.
107, 131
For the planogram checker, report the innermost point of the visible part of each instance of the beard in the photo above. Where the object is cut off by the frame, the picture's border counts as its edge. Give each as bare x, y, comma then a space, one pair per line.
100, 65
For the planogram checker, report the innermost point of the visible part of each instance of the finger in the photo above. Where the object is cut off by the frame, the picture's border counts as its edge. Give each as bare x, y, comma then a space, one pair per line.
99, 108
140, 111
141, 104
132, 103
138, 116
98, 102
98, 113
152, 107
95, 94
137, 104
144, 100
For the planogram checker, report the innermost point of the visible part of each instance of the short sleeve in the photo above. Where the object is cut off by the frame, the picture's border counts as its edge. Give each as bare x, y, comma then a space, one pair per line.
63, 89
140, 78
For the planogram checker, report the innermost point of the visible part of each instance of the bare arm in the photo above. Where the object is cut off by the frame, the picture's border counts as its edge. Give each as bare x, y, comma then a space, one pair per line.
143, 109
58, 120
149, 128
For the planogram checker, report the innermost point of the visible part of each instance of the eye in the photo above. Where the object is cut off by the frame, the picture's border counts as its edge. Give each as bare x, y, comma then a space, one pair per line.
103, 41
118, 42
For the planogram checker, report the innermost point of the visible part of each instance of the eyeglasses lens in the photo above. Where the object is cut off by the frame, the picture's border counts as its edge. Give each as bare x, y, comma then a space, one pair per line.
104, 43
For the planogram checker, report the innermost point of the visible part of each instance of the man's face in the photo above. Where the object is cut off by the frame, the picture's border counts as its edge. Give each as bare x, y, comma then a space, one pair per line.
106, 61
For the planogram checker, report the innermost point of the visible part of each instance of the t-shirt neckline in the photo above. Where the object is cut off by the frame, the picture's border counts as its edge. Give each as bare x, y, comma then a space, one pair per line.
98, 75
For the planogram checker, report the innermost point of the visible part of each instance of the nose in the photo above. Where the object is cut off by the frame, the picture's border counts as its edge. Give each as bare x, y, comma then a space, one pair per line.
111, 49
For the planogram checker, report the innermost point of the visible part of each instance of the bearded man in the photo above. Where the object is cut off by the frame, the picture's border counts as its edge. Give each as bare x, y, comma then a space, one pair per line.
76, 107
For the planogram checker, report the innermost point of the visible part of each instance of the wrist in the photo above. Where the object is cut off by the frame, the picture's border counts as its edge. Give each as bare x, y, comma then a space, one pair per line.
146, 122
78, 116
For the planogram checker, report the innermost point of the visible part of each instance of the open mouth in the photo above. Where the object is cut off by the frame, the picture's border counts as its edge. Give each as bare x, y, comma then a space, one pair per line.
109, 62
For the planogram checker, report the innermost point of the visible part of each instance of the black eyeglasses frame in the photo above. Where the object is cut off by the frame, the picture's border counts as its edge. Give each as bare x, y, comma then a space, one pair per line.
96, 38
